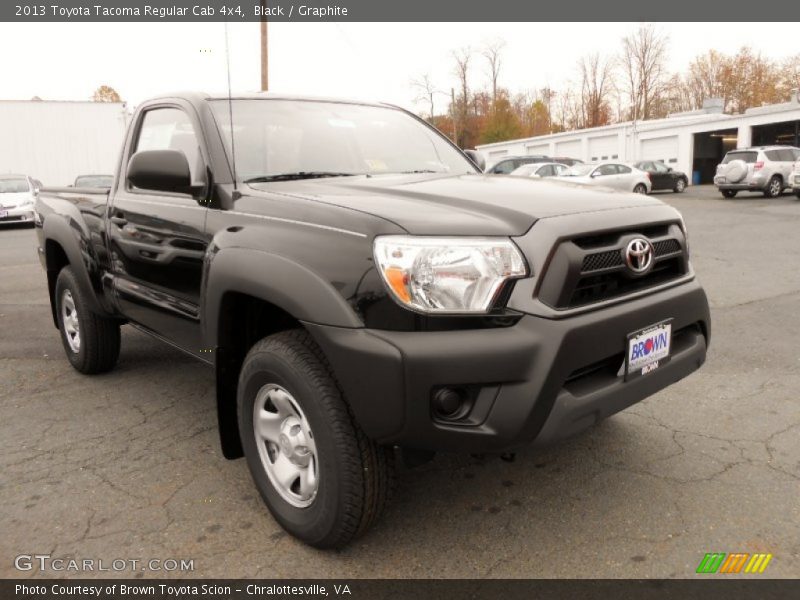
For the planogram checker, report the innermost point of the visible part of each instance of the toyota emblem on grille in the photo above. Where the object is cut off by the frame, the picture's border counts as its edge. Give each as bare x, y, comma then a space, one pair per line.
639, 255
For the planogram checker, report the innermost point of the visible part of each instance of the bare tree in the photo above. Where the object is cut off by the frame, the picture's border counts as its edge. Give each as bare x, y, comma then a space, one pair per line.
709, 77
105, 93
492, 53
643, 60
462, 59
427, 90
595, 84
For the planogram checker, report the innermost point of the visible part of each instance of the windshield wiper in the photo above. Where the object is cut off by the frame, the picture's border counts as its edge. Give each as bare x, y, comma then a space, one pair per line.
298, 175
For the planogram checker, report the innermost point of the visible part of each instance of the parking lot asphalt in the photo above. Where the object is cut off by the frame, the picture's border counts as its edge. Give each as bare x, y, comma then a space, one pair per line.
127, 465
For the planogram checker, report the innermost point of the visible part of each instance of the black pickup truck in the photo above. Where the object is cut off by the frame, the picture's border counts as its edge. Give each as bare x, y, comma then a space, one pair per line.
361, 291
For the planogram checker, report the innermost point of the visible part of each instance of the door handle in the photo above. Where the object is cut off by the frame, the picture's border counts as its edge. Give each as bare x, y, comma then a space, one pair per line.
120, 221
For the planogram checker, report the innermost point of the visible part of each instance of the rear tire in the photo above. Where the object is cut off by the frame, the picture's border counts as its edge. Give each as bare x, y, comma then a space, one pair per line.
729, 193
774, 187
336, 482
91, 341
680, 186
640, 188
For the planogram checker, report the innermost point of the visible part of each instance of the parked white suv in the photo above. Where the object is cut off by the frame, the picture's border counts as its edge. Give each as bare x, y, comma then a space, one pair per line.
765, 169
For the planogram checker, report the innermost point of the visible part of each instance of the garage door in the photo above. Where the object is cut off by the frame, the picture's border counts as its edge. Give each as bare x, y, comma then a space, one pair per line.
604, 148
571, 149
538, 149
664, 149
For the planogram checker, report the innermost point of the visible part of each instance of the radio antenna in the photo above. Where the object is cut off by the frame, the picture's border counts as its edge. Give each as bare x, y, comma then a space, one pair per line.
230, 105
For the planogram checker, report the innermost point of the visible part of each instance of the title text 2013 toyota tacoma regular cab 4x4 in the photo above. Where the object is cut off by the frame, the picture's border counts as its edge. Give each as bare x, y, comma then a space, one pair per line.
358, 286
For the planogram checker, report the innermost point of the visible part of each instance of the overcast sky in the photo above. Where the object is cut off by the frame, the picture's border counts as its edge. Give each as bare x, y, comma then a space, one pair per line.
358, 60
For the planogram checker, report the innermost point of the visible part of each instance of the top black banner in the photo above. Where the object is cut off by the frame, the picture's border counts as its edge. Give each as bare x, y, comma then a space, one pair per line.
395, 10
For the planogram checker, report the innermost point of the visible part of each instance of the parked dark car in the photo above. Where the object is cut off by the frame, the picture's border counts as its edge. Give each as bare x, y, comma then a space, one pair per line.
359, 287
663, 177
512, 163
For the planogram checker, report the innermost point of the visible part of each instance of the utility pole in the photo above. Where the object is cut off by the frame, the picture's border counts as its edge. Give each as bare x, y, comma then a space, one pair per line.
453, 112
264, 49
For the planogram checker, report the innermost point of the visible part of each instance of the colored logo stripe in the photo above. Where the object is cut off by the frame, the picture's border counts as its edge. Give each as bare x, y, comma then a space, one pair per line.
758, 563
733, 563
711, 562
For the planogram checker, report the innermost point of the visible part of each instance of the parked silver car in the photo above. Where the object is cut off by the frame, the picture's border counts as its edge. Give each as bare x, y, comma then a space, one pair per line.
17, 195
765, 169
795, 179
610, 174
551, 169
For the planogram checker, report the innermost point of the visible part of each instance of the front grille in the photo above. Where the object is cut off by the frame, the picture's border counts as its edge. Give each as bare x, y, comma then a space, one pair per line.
610, 259
592, 269
602, 260
596, 288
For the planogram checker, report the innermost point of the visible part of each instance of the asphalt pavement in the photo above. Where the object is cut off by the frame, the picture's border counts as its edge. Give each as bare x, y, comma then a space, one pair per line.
127, 465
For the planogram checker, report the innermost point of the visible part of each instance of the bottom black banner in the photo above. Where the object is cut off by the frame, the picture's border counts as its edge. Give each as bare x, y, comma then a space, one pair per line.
440, 589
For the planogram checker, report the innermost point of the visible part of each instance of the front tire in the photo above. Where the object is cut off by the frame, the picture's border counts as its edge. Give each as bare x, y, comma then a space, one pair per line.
774, 187
680, 186
729, 193
91, 341
640, 188
322, 479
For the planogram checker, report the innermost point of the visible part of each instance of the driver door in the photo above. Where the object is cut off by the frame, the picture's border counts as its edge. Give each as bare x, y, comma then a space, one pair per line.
157, 240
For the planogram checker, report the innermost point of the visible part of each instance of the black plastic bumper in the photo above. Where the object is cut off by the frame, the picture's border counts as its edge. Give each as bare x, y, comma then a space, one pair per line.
540, 380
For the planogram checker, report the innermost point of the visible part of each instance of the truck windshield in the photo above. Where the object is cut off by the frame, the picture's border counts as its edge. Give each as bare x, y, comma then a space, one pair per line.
13, 186
292, 139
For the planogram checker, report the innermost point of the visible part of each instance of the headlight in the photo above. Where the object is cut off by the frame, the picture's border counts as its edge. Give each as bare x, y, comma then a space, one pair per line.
447, 275
685, 234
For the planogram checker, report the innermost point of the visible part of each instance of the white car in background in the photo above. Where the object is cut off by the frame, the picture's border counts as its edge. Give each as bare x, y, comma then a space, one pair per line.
610, 174
551, 169
17, 195
794, 179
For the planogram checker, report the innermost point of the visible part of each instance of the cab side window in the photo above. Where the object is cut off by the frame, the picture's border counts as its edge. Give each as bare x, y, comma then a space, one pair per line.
171, 129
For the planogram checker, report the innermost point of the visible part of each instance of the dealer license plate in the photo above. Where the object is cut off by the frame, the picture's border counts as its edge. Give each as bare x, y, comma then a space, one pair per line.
648, 349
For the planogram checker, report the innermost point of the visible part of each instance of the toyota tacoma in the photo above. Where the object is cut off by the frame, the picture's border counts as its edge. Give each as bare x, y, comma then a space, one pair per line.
362, 291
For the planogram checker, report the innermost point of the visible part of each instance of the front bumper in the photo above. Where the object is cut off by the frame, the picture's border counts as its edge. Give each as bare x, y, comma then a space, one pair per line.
537, 381
22, 214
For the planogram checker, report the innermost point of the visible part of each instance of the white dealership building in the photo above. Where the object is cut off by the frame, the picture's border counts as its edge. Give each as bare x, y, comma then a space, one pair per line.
693, 142
55, 141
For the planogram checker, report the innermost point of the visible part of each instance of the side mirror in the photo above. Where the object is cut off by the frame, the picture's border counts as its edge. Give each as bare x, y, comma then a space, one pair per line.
477, 159
160, 170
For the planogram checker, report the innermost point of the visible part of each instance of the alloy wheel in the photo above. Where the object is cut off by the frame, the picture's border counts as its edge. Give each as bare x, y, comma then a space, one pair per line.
286, 445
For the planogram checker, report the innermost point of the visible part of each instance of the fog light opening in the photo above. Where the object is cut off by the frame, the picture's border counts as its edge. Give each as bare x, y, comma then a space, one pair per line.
450, 403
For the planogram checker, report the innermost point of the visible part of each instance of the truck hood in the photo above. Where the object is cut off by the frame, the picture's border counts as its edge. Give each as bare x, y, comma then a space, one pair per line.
458, 204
